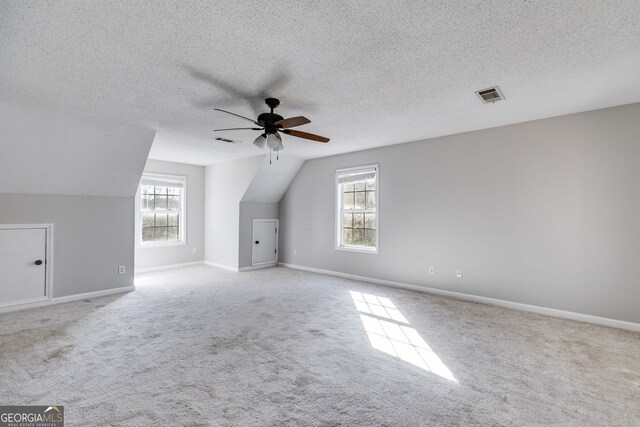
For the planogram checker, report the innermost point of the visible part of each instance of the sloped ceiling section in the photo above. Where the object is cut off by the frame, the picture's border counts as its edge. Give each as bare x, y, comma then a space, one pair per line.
272, 180
47, 152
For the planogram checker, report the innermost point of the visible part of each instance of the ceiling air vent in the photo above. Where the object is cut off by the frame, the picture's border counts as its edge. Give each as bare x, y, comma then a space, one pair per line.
490, 95
230, 141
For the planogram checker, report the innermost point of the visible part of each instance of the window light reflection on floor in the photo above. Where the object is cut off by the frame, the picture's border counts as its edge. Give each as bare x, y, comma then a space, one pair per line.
388, 331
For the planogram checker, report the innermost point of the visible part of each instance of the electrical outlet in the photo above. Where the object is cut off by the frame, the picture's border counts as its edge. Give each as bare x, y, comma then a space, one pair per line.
459, 273
432, 270
195, 250
122, 269
295, 252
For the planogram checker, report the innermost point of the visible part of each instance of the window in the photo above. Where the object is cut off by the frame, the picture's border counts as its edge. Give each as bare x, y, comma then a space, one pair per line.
357, 215
162, 210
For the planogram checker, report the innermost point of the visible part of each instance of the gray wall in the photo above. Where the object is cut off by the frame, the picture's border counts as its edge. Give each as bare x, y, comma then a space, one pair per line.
544, 213
92, 237
225, 184
249, 212
159, 256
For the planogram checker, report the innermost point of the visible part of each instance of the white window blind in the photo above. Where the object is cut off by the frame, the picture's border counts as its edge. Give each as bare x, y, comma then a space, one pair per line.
159, 182
361, 176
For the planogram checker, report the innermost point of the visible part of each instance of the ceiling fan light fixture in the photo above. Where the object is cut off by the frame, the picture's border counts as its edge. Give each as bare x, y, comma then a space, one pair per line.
260, 141
275, 142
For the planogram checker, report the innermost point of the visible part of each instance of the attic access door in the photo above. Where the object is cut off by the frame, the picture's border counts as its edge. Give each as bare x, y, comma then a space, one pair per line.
23, 262
265, 242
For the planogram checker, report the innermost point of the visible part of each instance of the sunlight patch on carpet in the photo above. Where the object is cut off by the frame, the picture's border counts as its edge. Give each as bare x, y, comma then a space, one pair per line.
388, 332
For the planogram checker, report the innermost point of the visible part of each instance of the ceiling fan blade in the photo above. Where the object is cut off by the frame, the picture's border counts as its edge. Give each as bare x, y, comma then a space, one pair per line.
305, 135
218, 130
238, 115
292, 122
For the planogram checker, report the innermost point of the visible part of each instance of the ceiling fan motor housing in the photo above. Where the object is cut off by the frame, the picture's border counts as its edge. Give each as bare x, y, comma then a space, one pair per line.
268, 121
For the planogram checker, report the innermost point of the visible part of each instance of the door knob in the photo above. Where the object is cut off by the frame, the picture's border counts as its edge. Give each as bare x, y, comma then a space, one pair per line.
39, 262
257, 242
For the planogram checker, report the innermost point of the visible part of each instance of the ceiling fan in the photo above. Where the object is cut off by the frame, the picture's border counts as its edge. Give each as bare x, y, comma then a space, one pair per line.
271, 124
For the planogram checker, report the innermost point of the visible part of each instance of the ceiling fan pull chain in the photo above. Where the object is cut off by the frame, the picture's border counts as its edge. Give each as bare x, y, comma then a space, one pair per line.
277, 154
270, 155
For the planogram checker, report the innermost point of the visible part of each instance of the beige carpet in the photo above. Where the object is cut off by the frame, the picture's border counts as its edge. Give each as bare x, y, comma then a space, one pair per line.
201, 346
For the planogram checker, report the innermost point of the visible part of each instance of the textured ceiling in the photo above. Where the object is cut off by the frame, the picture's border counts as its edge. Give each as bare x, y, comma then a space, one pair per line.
367, 73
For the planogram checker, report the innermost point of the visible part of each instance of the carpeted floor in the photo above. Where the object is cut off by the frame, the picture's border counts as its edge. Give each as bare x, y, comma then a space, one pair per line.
202, 346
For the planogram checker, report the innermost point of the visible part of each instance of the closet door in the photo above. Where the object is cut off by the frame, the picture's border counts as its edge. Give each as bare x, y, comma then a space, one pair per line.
265, 241
22, 265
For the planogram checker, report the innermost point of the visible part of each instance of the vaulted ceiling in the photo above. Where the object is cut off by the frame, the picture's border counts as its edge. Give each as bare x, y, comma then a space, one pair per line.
367, 73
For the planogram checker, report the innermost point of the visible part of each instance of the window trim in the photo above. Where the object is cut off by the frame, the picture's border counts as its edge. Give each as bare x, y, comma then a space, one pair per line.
182, 241
338, 210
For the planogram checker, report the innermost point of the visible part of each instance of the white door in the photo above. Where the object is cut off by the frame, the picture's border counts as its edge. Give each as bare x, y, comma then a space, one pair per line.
265, 241
23, 264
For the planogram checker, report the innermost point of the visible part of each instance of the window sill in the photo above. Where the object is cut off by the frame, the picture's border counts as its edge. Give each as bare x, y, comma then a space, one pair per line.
160, 245
371, 251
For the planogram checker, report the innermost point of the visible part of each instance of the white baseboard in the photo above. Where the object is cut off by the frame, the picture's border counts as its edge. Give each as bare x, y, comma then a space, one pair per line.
34, 301
240, 269
621, 324
167, 267
258, 267
222, 266
68, 298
